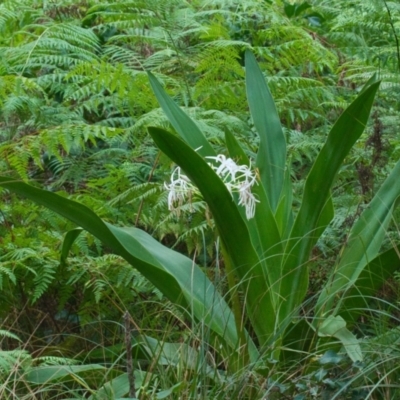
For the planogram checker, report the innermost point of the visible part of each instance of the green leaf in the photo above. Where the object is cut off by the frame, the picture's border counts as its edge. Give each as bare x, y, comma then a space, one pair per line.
171, 353
271, 156
68, 241
330, 357
373, 79
113, 353
336, 327
267, 241
45, 374
341, 139
289, 9
370, 280
173, 274
263, 228
324, 220
168, 392
294, 10
231, 227
235, 150
364, 242
181, 122
117, 387
284, 214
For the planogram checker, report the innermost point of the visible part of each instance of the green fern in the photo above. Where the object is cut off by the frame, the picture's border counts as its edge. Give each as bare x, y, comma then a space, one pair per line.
45, 275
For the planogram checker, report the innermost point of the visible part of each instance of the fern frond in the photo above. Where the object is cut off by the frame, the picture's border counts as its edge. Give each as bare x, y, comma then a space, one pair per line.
8, 334
13, 360
9, 274
52, 360
45, 275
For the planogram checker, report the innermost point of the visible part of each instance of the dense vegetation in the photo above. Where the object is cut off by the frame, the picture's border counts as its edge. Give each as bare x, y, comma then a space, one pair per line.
91, 137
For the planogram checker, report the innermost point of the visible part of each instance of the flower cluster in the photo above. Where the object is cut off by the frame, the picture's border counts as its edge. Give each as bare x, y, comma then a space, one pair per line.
237, 178
179, 188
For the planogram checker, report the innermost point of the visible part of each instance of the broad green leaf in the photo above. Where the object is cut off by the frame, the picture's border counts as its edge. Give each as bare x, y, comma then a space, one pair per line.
42, 375
235, 150
68, 241
298, 338
370, 280
373, 79
330, 357
173, 274
267, 241
181, 122
118, 386
284, 214
178, 355
336, 327
231, 227
263, 228
113, 353
271, 156
325, 218
164, 394
115, 388
294, 10
364, 242
341, 139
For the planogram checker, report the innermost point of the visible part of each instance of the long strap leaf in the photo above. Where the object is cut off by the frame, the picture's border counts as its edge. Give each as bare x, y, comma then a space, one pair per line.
271, 156
181, 122
364, 241
231, 227
341, 139
369, 281
173, 274
263, 228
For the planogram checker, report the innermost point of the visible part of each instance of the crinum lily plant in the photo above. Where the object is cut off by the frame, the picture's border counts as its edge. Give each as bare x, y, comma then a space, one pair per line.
266, 247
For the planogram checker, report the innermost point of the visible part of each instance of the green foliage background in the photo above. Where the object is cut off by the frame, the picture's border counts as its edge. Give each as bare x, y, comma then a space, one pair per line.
75, 104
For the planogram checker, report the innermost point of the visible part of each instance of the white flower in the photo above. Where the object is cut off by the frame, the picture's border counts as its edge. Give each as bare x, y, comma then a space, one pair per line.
227, 167
237, 178
179, 189
247, 199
